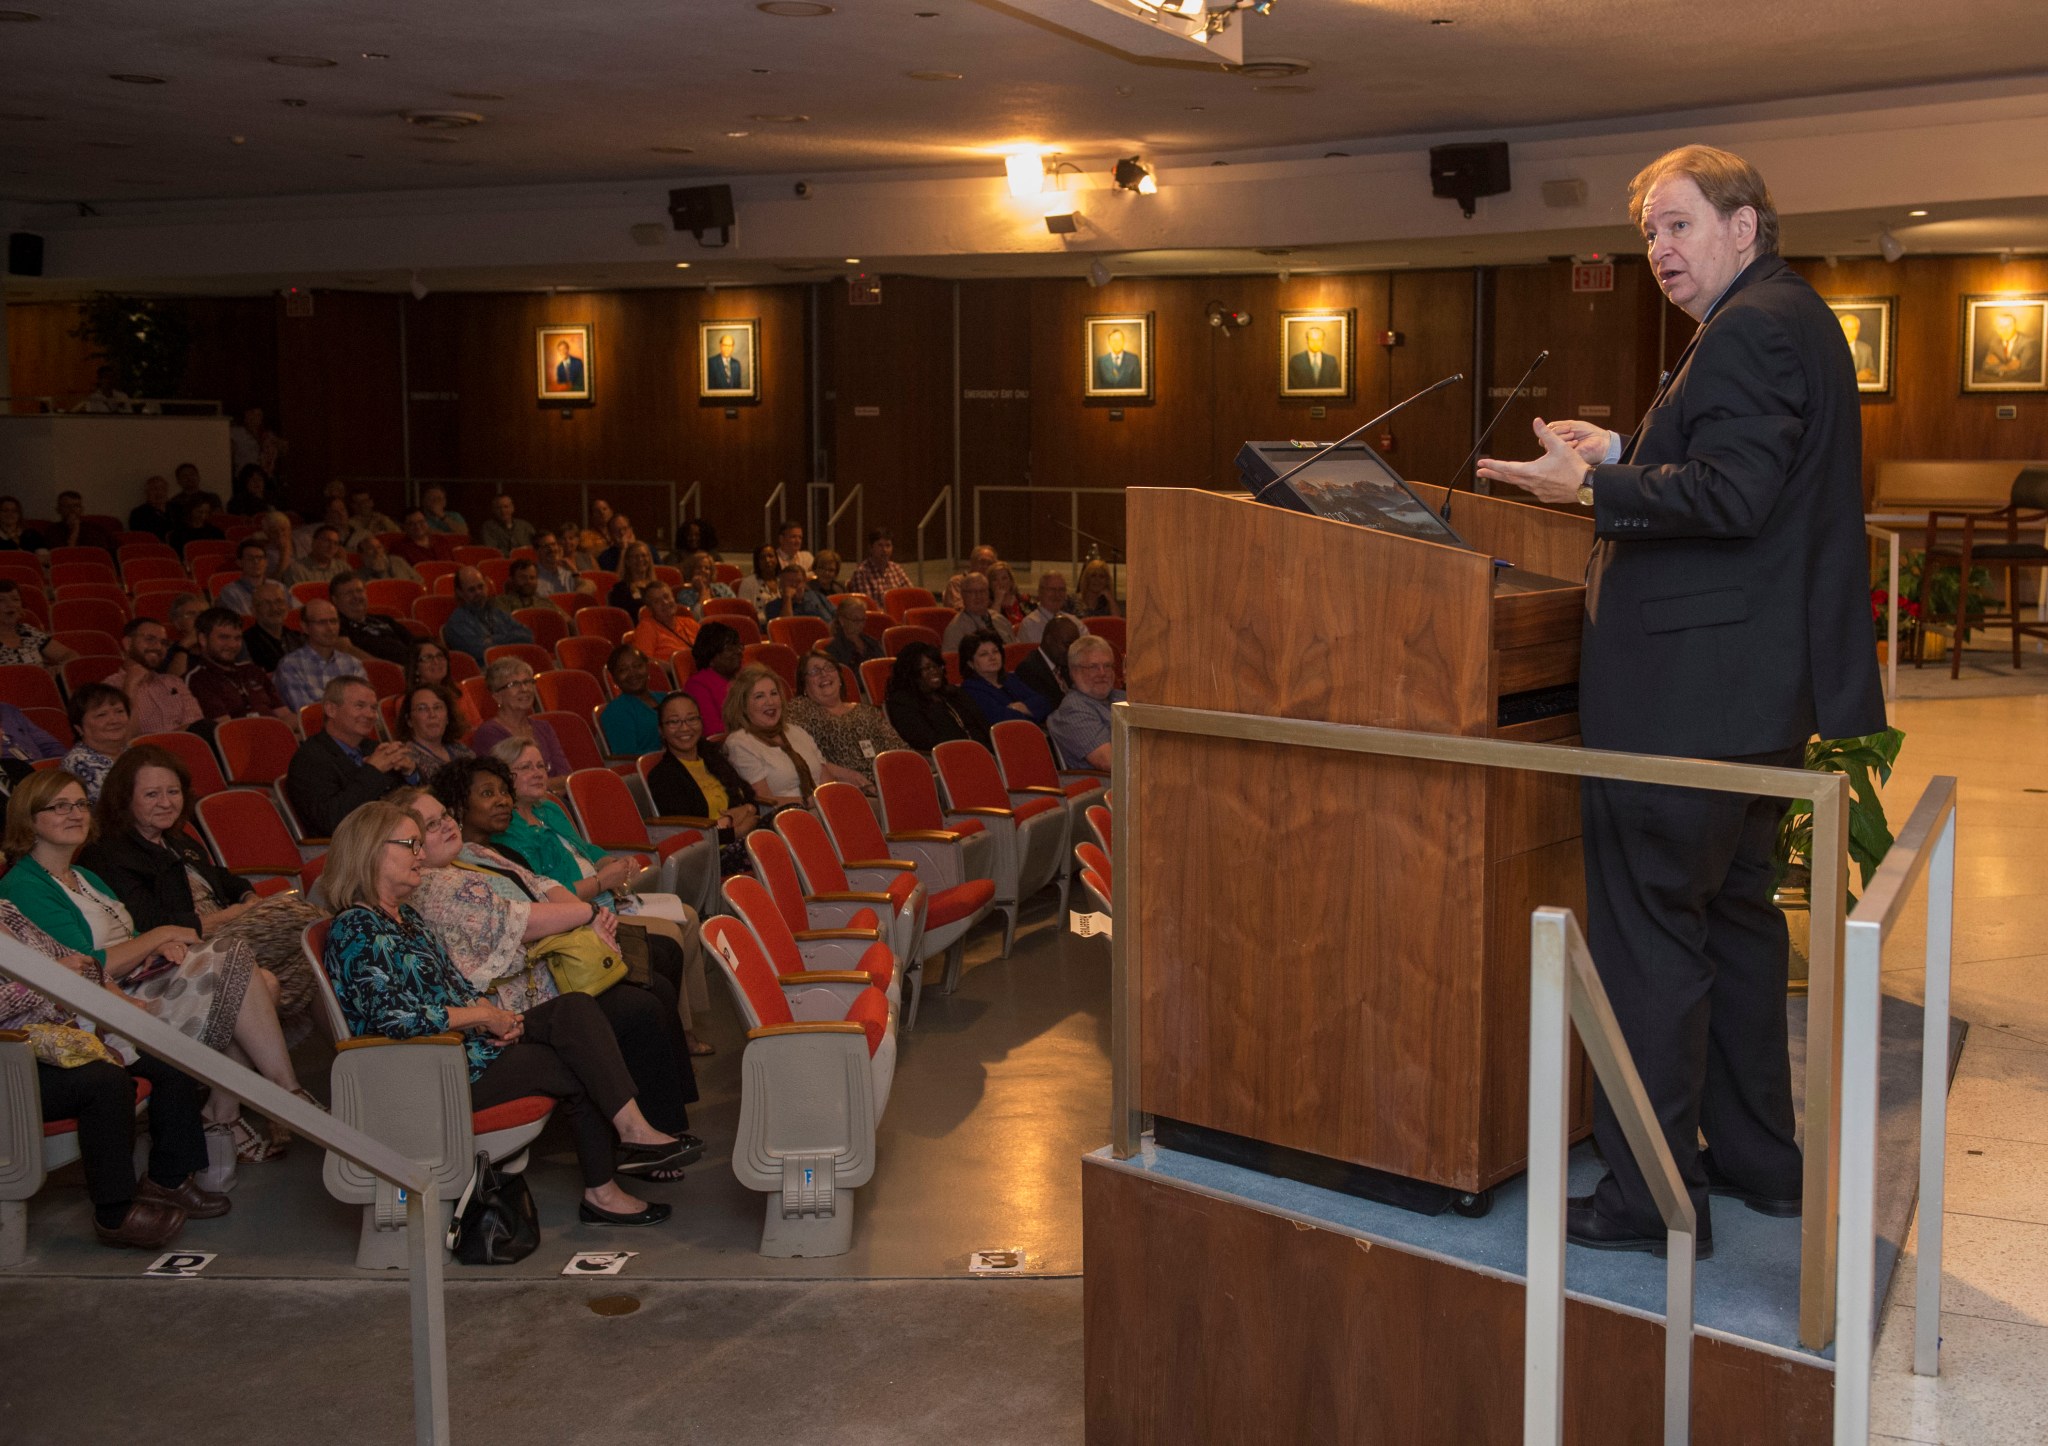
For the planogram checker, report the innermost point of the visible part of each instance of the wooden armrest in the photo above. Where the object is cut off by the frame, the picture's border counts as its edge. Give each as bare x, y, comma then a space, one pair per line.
926, 835
271, 873
825, 976
373, 1041
853, 896
1044, 788
683, 820
982, 812
900, 865
805, 936
1088, 772
813, 1026
13, 1036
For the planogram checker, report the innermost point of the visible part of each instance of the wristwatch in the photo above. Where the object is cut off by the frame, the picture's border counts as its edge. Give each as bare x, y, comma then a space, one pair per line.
1586, 491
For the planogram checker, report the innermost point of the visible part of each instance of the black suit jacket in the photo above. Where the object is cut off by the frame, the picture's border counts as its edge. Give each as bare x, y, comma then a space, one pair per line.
1727, 599
150, 878
1041, 677
325, 785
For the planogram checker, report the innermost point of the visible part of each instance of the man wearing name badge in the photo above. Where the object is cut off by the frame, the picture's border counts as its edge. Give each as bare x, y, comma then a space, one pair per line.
1727, 616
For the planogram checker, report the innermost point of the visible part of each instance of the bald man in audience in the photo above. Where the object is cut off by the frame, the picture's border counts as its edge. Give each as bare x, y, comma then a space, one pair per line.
1052, 602
980, 560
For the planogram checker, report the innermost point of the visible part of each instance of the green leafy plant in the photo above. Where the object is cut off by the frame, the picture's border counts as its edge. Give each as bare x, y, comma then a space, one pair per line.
145, 340
1941, 598
1867, 762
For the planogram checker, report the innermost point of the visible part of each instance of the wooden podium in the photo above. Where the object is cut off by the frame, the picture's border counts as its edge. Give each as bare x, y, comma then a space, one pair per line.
1334, 947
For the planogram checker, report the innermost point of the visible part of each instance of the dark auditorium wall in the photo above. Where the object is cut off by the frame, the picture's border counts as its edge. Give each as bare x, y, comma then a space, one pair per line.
233, 359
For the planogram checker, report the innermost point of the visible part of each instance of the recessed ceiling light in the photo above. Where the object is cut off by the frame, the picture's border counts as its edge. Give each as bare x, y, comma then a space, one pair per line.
1285, 89
1275, 69
794, 9
737, 135
442, 120
1443, 22
1198, 107
293, 102
238, 140
438, 140
682, 266
853, 261
763, 70
130, 79
352, 155
305, 62
1916, 213
376, 55
782, 120
476, 95
673, 150
926, 14
933, 74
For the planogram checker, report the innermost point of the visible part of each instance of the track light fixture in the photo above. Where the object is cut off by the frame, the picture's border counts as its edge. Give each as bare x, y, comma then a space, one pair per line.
1026, 173
1227, 319
1889, 246
1132, 174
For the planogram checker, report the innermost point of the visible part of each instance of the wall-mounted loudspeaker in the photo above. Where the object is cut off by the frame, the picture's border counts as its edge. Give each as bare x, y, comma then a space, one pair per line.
1465, 173
698, 209
24, 254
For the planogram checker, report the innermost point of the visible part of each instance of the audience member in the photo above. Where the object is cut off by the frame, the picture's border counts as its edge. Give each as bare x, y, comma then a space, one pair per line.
198, 526
511, 683
999, 694
694, 779
581, 546
189, 491
765, 584
89, 1078
378, 564
718, 654
181, 634
440, 518
22, 641
362, 511
224, 685
850, 643
343, 521
667, 631
618, 534
367, 634
1095, 595
475, 626
146, 850
1003, 598
847, 731
789, 548
253, 558
21, 739
159, 702
779, 760
978, 561
72, 530
523, 590
393, 978
630, 721
306, 671
600, 513
700, 582
555, 573
251, 443
151, 515
251, 497
430, 722
1080, 725
924, 707
636, 575
1045, 671
428, 664
503, 530
268, 639
697, 534
878, 571
105, 396
15, 535
825, 575
1051, 603
976, 615
793, 598
417, 542
279, 541
213, 993
101, 724
324, 560
343, 766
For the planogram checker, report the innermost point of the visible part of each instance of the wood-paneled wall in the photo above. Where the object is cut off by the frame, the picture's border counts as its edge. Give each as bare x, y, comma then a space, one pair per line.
883, 383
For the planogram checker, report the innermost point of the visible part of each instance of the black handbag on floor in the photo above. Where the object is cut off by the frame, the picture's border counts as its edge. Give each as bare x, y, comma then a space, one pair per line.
495, 1220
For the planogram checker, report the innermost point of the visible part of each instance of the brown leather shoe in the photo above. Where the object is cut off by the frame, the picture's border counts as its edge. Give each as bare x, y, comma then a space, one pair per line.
148, 1225
197, 1204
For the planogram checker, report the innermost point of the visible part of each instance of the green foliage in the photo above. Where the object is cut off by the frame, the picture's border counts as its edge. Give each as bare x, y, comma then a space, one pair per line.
1941, 600
145, 340
1867, 762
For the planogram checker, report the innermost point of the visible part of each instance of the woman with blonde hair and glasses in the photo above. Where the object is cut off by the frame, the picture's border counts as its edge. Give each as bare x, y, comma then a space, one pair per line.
636, 575
779, 760
511, 683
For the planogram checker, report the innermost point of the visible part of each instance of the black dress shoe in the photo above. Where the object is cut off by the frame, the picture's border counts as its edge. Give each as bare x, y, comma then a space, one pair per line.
1778, 1207
1585, 1225
647, 1159
653, 1215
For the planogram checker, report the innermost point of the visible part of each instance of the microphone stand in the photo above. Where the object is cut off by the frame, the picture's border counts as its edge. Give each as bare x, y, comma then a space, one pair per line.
1329, 447
1473, 456
1078, 532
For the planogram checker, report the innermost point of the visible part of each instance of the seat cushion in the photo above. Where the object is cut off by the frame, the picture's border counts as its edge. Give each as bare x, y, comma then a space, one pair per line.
511, 1115
900, 890
878, 962
1083, 785
70, 1127
870, 1010
966, 826
864, 919
959, 902
1032, 807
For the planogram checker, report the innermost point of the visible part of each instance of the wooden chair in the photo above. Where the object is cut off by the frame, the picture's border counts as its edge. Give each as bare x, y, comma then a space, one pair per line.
2028, 505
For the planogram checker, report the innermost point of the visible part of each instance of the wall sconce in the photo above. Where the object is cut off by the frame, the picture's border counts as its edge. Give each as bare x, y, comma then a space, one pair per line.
1132, 174
1062, 211
1026, 172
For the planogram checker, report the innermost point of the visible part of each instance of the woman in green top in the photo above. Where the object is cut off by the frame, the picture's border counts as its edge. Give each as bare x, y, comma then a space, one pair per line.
213, 994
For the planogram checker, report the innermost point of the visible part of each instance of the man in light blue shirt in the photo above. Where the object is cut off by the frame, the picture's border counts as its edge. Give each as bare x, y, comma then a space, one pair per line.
1080, 725
475, 625
239, 596
304, 673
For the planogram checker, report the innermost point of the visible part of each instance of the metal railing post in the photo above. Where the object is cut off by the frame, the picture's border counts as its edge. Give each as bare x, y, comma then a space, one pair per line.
945, 500
819, 534
768, 517
1855, 1281
856, 500
1549, 1145
1934, 1045
429, 1317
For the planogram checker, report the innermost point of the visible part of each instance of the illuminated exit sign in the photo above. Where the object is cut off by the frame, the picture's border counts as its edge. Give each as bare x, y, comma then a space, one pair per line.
1593, 276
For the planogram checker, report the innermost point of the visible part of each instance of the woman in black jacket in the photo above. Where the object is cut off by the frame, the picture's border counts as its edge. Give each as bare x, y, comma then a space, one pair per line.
925, 708
146, 852
694, 780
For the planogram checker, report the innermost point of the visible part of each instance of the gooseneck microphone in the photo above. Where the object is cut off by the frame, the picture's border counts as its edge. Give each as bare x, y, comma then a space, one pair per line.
1329, 447
1473, 456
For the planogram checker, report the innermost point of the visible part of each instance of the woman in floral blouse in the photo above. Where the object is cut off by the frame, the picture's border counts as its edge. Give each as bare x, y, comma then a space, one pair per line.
393, 977
24, 642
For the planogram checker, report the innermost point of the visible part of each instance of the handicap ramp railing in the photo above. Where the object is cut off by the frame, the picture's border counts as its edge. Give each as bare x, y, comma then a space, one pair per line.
415, 1181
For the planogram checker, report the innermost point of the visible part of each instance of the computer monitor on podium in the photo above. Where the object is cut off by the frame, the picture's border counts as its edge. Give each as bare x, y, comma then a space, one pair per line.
1352, 483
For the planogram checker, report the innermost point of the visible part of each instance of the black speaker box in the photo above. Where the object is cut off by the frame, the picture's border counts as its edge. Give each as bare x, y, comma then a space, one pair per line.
1465, 173
24, 254
700, 208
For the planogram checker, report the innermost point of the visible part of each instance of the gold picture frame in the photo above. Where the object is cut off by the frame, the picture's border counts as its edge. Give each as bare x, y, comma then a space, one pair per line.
729, 360
565, 364
1313, 362
1867, 323
2004, 341
1116, 357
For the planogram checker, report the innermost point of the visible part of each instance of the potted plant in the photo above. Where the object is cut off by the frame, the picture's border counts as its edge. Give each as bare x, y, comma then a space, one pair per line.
1868, 763
1942, 597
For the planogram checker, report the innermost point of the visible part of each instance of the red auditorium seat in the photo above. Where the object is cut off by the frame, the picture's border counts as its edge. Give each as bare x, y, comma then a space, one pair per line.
254, 751
896, 601
193, 752
799, 635
1034, 832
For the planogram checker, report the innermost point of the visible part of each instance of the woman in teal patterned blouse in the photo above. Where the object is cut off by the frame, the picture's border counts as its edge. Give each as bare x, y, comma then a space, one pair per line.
393, 978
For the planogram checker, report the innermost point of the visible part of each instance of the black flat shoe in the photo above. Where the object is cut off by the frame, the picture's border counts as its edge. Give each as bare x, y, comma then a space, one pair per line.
1778, 1207
1585, 1225
653, 1215
647, 1159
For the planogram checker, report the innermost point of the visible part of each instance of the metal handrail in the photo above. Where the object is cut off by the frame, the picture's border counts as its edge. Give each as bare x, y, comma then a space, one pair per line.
412, 487
1074, 495
689, 505
769, 510
945, 500
814, 533
830, 532
415, 1181
1564, 992
1829, 792
1925, 847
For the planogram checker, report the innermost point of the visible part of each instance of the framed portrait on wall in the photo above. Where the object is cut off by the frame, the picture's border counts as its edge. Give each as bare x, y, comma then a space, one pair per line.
1315, 353
2002, 339
1117, 357
1867, 328
729, 360
564, 364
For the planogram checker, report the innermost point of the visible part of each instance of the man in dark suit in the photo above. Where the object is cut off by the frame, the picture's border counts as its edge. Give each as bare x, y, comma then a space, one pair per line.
1116, 367
1045, 671
727, 374
336, 770
1312, 367
568, 368
1727, 616
2008, 356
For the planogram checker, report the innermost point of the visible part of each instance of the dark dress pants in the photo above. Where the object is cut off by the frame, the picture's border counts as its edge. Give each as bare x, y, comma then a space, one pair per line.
101, 1097
1692, 953
649, 1030
569, 1053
